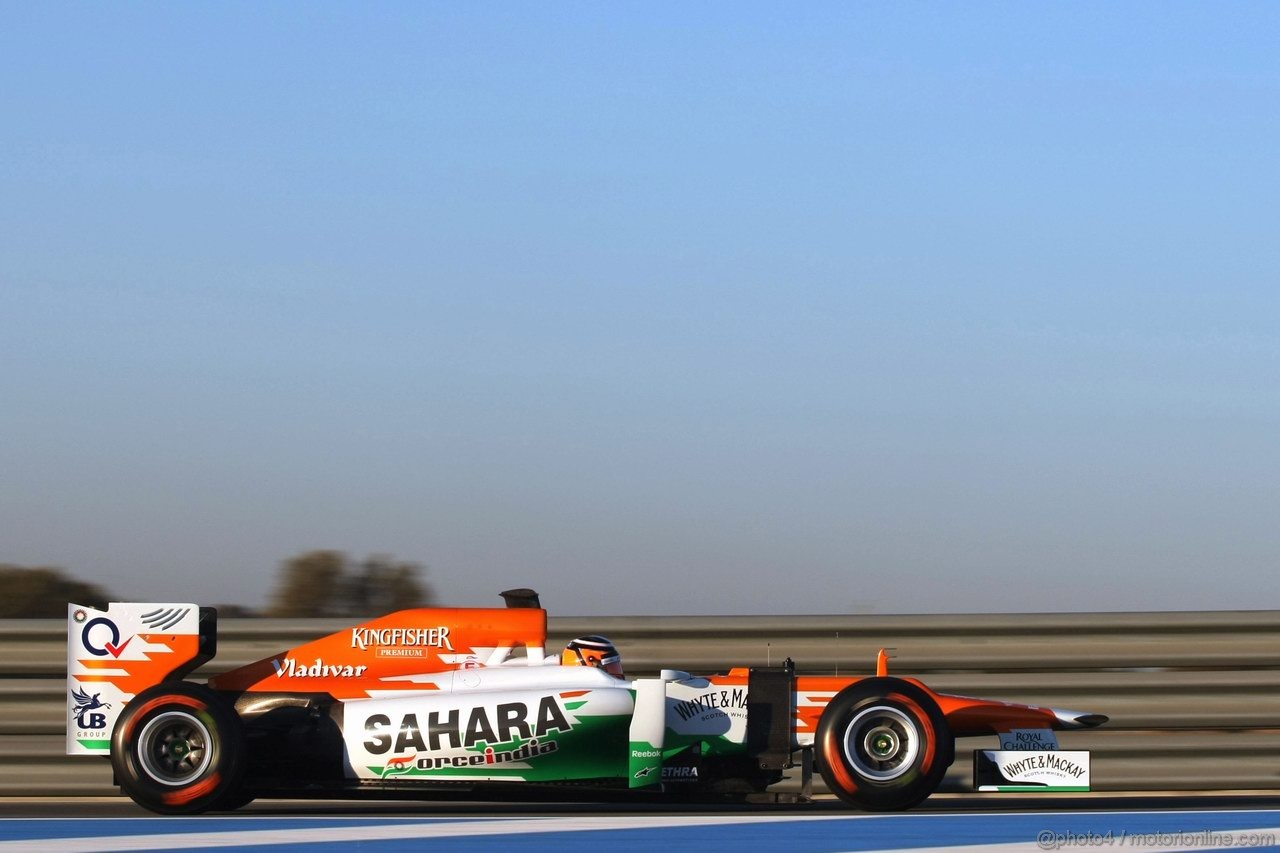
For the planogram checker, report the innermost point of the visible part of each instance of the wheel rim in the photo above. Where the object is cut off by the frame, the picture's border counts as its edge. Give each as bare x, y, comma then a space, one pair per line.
881, 743
175, 748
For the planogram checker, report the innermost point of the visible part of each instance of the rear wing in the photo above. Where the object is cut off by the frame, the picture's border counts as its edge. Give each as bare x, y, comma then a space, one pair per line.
115, 654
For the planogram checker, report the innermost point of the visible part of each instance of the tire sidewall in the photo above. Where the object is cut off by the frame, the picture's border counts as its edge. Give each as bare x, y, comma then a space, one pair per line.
221, 770
934, 750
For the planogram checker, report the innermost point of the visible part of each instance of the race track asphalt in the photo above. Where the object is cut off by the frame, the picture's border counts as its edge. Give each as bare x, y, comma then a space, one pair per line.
945, 824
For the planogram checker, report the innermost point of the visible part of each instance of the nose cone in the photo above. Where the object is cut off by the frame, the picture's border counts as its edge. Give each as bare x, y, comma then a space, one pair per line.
1079, 719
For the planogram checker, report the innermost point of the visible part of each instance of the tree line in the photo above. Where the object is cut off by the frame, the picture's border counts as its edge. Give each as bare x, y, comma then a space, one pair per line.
312, 584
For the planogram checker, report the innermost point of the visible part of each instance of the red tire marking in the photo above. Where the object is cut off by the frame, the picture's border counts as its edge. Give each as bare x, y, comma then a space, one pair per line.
836, 764
185, 795
158, 702
931, 737
842, 775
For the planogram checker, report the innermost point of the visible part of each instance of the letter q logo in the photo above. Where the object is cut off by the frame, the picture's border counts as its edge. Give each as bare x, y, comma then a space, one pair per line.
112, 646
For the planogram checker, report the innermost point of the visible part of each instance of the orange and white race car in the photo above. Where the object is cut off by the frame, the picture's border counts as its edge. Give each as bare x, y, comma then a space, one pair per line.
431, 700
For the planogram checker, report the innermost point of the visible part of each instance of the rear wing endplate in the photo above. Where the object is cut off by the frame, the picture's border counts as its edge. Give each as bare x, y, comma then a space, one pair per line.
115, 654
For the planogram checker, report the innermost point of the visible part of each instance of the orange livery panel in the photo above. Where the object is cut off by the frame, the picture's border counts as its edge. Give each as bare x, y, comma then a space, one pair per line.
385, 653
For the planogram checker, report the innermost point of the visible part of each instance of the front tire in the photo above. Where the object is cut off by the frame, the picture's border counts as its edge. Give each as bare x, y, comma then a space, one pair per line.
883, 744
178, 749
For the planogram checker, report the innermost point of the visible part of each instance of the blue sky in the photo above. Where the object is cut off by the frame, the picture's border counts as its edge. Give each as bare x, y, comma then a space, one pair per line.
657, 308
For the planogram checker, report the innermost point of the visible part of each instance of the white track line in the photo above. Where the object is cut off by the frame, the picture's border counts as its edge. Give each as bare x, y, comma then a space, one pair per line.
1128, 842
1122, 842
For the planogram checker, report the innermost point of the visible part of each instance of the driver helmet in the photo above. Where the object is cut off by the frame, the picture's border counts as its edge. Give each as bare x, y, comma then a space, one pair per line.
593, 650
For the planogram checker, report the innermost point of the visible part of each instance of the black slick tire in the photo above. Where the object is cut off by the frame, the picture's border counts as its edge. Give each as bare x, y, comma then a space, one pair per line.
883, 744
178, 749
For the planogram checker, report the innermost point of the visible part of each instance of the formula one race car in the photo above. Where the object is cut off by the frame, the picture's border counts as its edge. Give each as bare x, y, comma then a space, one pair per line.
425, 701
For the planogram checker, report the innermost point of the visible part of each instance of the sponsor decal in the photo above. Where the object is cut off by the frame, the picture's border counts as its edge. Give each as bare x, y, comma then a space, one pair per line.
531, 748
450, 730
1026, 740
85, 702
290, 668
1052, 761
399, 766
1022, 770
85, 710
644, 762
687, 773
110, 641
401, 642
712, 704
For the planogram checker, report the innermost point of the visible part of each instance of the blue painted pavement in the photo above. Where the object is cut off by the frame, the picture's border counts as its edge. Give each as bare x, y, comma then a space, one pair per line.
754, 833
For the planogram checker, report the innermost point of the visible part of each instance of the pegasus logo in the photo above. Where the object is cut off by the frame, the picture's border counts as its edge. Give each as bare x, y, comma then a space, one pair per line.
88, 710
85, 702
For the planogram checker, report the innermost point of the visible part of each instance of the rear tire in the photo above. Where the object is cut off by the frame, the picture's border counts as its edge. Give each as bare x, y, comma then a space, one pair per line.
178, 749
883, 744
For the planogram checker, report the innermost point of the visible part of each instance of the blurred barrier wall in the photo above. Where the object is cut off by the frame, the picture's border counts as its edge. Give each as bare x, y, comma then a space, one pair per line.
1192, 696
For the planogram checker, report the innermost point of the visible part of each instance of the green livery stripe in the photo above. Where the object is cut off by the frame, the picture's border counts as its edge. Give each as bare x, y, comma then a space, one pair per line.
96, 743
645, 766
573, 706
677, 742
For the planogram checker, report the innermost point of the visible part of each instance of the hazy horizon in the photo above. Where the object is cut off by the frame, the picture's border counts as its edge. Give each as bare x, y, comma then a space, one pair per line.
664, 309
